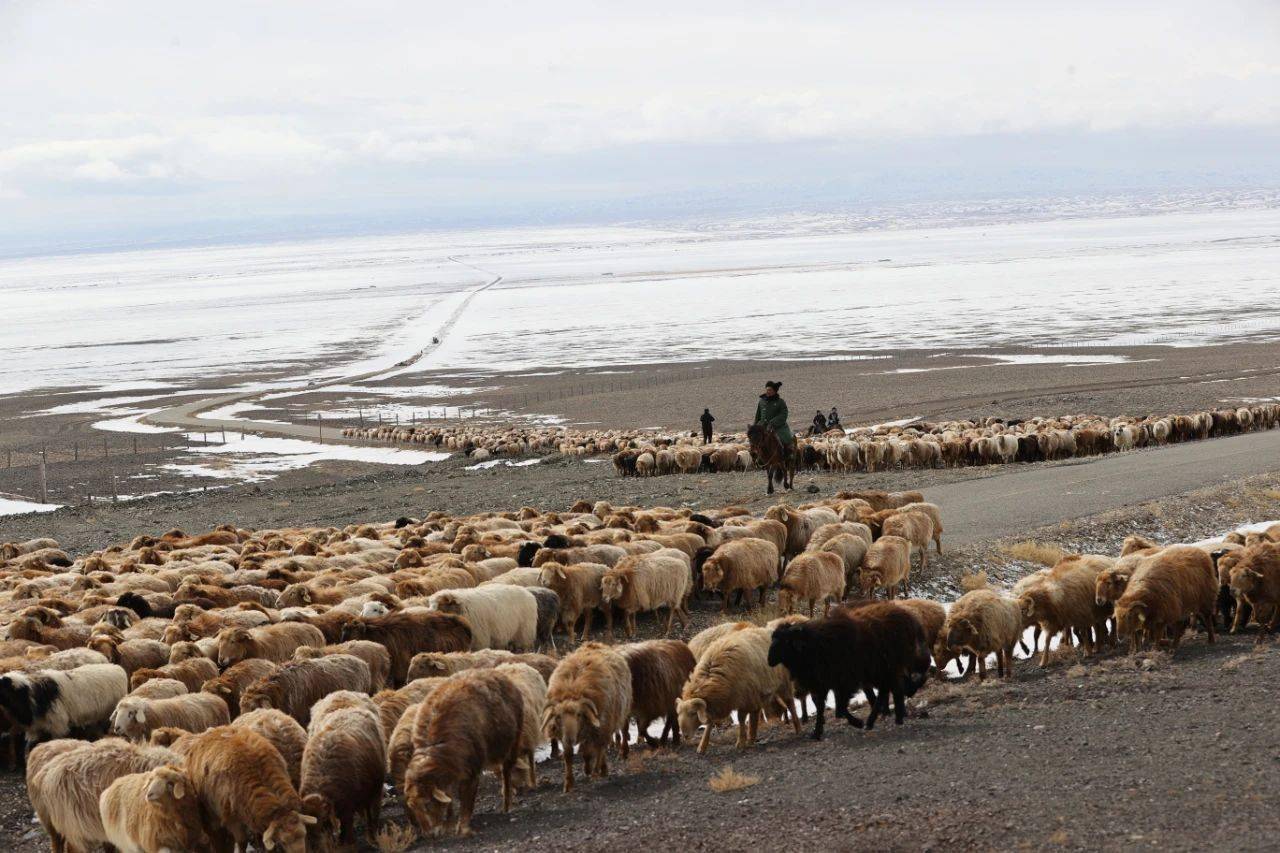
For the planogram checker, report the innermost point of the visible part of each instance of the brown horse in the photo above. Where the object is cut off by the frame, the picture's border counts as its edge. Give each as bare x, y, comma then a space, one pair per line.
769, 453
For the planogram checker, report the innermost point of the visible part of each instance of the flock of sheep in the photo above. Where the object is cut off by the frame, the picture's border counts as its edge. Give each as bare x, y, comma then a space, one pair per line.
918, 445
261, 686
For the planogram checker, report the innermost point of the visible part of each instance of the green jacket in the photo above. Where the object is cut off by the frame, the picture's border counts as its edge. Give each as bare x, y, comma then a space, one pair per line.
773, 412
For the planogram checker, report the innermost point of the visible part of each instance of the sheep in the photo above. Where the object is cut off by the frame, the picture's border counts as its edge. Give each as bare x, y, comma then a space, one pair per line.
392, 704
134, 718
275, 643
813, 577
297, 685
131, 655
829, 531
887, 564
852, 550
192, 672
146, 812
800, 524
659, 669
702, 640
741, 566
400, 742
1063, 599
375, 655
281, 731
768, 529
578, 586
981, 622
1255, 578
244, 789
343, 766
475, 721
1165, 592
533, 694
229, 685
548, 615
50, 703
433, 664
65, 780
649, 582
499, 616
915, 527
159, 688
588, 702
734, 675
935, 517
880, 649
931, 615
406, 632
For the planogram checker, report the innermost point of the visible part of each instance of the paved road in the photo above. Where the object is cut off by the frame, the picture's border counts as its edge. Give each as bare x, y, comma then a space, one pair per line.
187, 415
1019, 499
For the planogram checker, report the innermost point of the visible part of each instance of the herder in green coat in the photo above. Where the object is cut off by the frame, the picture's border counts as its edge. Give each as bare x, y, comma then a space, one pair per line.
772, 411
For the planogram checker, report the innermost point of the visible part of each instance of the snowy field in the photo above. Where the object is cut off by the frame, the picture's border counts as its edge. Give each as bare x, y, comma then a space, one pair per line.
607, 296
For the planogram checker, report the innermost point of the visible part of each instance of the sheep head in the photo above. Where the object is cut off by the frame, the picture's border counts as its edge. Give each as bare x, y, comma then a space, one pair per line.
962, 632
129, 719
426, 796
446, 602
327, 825
234, 645
1109, 586
612, 586
288, 833
295, 595
692, 713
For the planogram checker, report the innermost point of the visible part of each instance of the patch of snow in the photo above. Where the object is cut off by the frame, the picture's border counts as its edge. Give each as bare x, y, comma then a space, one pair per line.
493, 463
254, 458
10, 506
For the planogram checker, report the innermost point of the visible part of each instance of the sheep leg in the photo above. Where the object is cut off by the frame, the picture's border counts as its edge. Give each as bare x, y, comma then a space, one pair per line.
1207, 618
608, 621
467, 795
508, 783
820, 715
1044, 656
899, 704
753, 726
742, 730
532, 775
937, 540
568, 766
982, 667
1244, 612
873, 701
372, 817
705, 740
671, 615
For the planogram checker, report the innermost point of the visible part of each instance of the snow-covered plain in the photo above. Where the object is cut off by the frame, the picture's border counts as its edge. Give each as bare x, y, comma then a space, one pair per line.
595, 297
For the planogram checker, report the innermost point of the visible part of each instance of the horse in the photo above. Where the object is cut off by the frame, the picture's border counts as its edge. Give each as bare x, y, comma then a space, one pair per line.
769, 453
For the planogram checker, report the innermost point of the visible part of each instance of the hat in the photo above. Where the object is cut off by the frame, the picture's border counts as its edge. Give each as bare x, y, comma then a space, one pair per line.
773, 384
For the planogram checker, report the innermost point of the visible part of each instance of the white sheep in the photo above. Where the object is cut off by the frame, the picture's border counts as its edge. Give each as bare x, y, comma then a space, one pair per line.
500, 616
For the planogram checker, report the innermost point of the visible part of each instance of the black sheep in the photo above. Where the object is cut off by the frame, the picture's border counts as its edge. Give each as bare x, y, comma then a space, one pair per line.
878, 649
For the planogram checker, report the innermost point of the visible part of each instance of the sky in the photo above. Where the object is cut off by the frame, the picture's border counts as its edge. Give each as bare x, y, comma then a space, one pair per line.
140, 121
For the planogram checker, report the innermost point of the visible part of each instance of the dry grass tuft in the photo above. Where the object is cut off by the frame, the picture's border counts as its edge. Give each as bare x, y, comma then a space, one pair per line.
761, 615
1271, 494
1031, 551
973, 580
396, 838
729, 779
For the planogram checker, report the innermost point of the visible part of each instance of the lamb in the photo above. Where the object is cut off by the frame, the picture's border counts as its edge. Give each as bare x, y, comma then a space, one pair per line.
813, 577
533, 694
1255, 578
648, 582
243, 787
734, 674
499, 616
981, 622
281, 731
880, 649
134, 718
297, 685
150, 811
588, 702
275, 643
406, 632
193, 672
1166, 591
741, 566
887, 564
66, 778
578, 586
342, 770
229, 685
659, 669
913, 526
475, 721
50, 703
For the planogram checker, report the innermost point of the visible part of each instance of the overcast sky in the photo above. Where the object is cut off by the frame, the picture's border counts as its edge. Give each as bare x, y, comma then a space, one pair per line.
170, 117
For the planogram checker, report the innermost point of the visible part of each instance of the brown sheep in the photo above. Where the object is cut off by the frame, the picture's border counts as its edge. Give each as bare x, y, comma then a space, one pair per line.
741, 566
800, 524
343, 766
913, 526
578, 586
299, 684
409, 631
281, 731
649, 582
152, 811
935, 517
230, 684
983, 622
813, 577
130, 655
852, 551
659, 669
394, 704
1064, 599
374, 654
1167, 590
474, 723
275, 643
244, 788
193, 672
588, 702
887, 565
1255, 579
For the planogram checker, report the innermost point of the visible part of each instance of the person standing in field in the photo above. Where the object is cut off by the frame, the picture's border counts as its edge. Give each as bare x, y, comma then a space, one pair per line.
707, 420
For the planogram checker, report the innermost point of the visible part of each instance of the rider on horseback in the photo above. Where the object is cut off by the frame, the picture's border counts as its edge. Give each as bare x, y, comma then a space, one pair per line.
772, 412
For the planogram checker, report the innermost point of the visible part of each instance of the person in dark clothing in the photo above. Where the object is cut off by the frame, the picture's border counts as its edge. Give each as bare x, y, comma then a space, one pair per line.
772, 411
819, 423
707, 420
833, 419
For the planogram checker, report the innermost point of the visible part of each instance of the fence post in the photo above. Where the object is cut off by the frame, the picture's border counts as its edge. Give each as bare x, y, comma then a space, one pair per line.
135, 445
104, 447
44, 480
320, 425
76, 450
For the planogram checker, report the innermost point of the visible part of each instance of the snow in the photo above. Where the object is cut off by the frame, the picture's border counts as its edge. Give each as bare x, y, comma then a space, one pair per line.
493, 463
254, 458
10, 506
